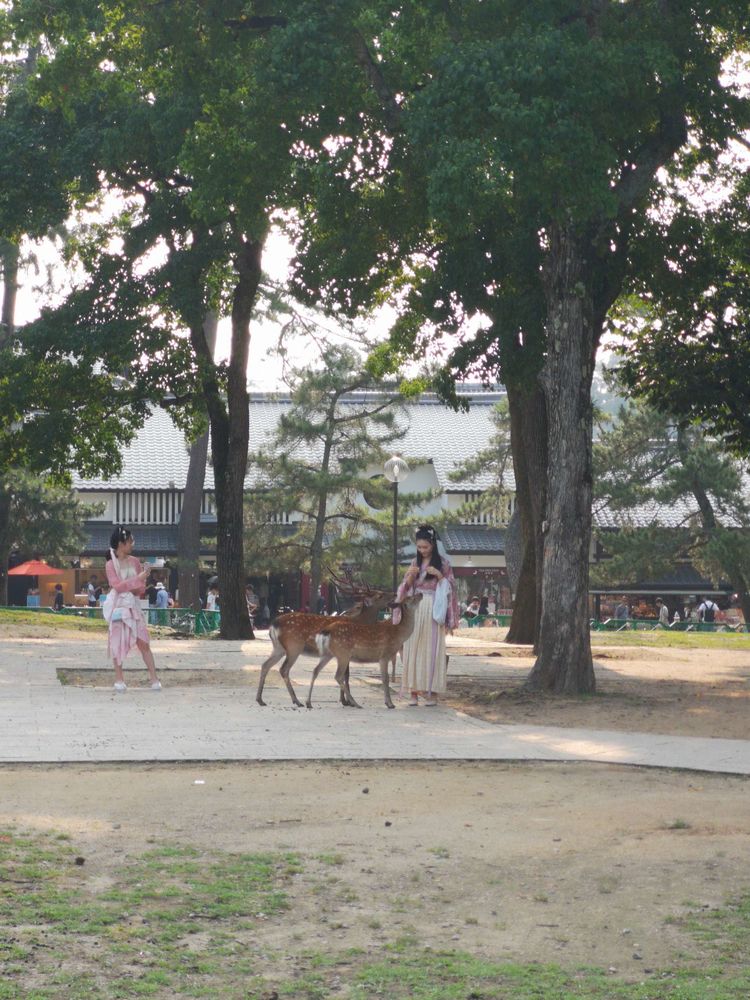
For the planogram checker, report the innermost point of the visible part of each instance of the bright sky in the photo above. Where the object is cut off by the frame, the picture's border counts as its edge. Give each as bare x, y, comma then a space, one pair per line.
265, 366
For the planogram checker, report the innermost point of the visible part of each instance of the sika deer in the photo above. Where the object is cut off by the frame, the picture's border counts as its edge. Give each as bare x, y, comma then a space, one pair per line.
353, 640
292, 632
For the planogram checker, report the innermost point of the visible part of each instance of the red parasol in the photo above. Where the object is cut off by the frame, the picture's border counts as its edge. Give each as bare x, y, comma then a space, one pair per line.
34, 567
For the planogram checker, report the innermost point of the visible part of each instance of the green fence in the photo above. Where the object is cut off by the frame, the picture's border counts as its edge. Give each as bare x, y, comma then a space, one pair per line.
502, 621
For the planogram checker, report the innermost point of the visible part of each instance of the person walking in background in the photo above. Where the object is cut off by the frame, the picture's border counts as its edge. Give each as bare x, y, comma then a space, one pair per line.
663, 612
151, 598
162, 603
212, 598
622, 611
423, 655
91, 591
252, 600
122, 608
59, 600
707, 611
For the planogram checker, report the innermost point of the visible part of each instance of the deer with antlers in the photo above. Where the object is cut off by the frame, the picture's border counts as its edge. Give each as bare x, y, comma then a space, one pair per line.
364, 643
295, 631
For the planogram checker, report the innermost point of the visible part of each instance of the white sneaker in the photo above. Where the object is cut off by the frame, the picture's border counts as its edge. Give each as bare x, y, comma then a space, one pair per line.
120, 686
156, 686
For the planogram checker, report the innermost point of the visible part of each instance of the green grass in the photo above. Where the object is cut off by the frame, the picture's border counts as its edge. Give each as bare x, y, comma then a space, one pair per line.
681, 640
177, 922
63, 623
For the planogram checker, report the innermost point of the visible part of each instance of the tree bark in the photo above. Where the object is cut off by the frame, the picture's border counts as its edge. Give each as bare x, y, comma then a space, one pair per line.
229, 440
564, 663
528, 437
5, 504
189, 528
10, 260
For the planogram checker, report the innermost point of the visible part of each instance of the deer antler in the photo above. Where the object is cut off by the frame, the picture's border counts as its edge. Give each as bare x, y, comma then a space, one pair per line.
359, 590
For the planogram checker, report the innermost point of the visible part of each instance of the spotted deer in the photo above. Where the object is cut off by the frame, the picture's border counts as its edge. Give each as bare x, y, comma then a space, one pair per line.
364, 643
294, 631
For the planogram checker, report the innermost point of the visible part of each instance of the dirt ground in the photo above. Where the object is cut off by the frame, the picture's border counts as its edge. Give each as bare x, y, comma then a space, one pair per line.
536, 862
563, 863
683, 692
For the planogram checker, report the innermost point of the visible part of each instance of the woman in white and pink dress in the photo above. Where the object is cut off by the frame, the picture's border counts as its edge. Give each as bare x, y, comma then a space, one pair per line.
423, 655
122, 608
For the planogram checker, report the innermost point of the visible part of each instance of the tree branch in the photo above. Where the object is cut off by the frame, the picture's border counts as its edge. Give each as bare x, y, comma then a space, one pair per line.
653, 153
375, 78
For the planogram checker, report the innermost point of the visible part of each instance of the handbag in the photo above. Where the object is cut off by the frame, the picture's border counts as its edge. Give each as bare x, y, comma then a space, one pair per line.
116, 615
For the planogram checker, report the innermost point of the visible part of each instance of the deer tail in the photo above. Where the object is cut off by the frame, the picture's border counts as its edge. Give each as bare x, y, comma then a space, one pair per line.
322, 641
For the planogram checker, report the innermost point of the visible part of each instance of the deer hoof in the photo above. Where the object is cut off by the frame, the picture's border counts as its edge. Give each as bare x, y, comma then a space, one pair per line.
389, 704
261, 702
308, 704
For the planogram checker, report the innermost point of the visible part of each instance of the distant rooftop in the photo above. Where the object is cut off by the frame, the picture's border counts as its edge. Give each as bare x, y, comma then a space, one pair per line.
157, 459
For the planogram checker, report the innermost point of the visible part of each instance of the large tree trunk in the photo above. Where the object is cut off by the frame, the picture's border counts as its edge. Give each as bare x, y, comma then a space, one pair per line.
5, 503
741, 584
564, 664
189, 528
229, 439
528, 436
10, 259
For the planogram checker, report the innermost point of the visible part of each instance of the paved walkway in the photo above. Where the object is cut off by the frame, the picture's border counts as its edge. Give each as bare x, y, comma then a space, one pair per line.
43, 721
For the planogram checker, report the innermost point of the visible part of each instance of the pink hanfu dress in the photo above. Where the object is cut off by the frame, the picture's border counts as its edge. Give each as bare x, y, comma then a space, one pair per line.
129, 625
423, 653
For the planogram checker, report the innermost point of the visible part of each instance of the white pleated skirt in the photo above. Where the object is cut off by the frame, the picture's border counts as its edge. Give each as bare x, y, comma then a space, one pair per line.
423, 655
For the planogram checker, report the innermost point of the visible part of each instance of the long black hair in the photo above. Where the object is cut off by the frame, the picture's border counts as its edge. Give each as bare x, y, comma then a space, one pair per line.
426, 533
120, 534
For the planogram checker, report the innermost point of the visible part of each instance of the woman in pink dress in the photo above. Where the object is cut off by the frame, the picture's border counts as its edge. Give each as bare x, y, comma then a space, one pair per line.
122, 608
423, 656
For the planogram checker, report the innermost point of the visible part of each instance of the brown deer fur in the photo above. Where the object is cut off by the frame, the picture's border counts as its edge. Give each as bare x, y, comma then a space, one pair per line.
292, 632
355, 640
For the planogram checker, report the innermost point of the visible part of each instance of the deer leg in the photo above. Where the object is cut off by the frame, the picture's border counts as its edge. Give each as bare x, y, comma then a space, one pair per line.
275, 656
342, 677
393, 665
284, 669
325, 658
384, 679
342, 696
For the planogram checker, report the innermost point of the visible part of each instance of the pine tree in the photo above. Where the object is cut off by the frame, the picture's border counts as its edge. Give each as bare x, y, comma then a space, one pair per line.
677, 493
339, 424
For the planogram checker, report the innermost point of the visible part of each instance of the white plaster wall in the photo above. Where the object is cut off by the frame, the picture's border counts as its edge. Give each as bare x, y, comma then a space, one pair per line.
479, 562
421, 479
97, 497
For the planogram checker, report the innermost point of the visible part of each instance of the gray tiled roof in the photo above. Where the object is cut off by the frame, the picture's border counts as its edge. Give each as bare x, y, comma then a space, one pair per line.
151, 539
674, 515
684, 579
158, 457
474, 539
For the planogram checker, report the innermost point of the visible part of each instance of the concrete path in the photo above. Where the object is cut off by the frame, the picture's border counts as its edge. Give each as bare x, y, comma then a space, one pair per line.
43, 721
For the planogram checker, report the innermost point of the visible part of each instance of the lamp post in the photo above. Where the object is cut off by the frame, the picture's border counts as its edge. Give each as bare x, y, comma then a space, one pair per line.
396, 470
